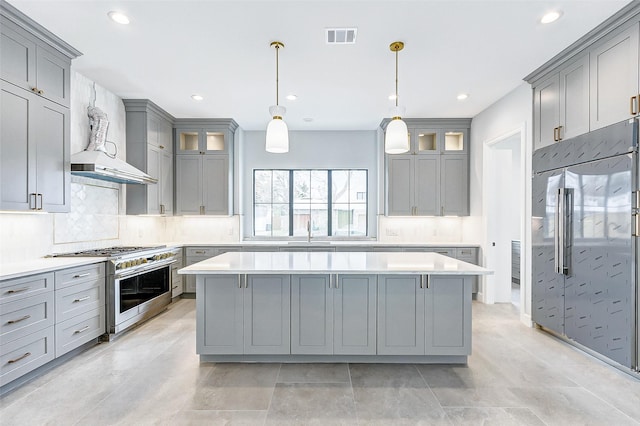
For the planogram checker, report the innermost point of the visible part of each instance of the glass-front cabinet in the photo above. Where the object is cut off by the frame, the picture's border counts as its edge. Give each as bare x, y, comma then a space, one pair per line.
202, 141
439, 141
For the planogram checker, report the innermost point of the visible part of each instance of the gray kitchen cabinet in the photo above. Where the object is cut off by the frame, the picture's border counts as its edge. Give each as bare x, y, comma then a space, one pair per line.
424, 315
150, 149
433, 178
267, 301
198, 254
448, 328
614, 77
561, 104
354, 315
250, 314
34, 115
34, 152
177, 282
401, 315
311, 315
204, 166
33, 64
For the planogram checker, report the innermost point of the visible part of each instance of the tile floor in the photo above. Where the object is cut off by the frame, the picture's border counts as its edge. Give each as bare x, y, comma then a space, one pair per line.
516, 376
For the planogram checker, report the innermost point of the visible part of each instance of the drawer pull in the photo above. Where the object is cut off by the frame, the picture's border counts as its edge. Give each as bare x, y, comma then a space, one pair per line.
81, 299
19, 319
174, 287
18, 290
12, 361
82, 275
199, 252
82, 330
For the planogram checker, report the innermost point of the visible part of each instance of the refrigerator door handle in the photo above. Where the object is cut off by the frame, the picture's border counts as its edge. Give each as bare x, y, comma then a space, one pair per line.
557, 237
567, 228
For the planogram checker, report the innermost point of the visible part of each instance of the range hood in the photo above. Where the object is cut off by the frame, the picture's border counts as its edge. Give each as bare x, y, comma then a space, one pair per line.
98, 165
95, 162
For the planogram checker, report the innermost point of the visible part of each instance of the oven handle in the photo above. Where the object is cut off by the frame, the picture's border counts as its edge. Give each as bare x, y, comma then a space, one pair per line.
139, 271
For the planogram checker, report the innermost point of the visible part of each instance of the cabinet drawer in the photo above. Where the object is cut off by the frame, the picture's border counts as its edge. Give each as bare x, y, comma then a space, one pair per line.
201, 251
19, 288
80, 298
25, 316
79, 330
68, 277
23, 355
176, 288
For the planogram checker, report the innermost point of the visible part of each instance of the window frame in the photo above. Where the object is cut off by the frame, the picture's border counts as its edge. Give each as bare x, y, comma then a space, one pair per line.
329, 204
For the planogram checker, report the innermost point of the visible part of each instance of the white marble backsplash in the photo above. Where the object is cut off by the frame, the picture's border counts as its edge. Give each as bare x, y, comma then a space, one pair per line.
430, 230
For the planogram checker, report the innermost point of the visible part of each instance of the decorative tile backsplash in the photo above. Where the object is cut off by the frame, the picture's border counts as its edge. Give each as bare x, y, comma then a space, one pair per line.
93, 216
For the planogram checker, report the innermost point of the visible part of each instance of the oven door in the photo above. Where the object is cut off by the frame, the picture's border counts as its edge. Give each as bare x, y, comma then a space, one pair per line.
134, 290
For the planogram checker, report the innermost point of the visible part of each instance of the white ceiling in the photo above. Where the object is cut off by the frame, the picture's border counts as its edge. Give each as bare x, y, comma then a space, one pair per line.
220, 49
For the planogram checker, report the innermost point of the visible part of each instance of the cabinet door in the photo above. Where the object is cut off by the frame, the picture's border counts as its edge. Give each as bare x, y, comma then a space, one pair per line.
52, 75
214, 141
53, 167
354, 315
574, 99
613, 78
267, 301
546, 111
216, 184
188, 184
188, 141
427, 141
448, 315
454, 189
400, 177
455, 141
17, 148
154, 166
311, 315
401, 313
221, 331
17, 56
166, 183
427, 186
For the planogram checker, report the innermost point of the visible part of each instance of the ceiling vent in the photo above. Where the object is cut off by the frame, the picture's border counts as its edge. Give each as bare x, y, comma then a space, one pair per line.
341, 35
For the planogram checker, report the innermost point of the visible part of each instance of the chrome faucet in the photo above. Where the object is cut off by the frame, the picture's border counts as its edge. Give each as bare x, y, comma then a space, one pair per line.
308, 231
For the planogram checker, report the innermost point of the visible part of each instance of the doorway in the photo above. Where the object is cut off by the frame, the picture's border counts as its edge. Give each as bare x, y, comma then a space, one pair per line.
505, 216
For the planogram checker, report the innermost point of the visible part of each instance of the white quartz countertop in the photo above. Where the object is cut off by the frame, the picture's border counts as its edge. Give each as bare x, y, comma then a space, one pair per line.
333, 263
44, 264
318, 243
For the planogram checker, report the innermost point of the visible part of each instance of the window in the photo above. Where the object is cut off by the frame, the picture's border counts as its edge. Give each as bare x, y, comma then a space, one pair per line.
332, 202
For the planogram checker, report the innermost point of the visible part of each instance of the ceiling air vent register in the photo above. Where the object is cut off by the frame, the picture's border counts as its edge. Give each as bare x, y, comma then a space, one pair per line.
341, 35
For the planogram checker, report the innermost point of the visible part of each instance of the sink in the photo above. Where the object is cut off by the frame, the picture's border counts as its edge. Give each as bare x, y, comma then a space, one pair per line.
312, 243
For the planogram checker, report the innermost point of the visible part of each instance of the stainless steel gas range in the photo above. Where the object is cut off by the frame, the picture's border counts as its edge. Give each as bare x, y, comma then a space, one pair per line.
138, 282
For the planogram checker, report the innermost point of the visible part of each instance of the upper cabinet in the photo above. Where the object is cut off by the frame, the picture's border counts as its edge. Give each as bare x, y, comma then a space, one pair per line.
432, 179
35, 166
204, 166
150, 149
592, 84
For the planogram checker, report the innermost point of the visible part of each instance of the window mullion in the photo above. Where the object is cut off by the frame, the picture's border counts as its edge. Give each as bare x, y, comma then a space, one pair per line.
329, 205
291, 203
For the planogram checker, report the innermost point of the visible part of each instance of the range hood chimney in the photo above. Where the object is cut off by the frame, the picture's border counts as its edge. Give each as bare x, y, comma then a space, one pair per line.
95, 162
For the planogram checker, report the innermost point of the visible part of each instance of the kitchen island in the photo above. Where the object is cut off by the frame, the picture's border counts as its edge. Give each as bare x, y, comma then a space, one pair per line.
333, 307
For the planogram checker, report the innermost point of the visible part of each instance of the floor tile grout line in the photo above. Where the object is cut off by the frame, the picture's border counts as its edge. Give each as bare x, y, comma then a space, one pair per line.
353, 395
273, 391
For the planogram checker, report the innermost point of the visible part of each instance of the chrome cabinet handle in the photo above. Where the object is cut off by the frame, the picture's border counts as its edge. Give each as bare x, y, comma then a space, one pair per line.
633, 105
559, 133
174, 287
82, 330
199, 252
12, 361
81, 275
426, 280
161, 146
17, 290
39, 208
19, 319
337, 281
81, 299
33, 196
162, 209
421, 281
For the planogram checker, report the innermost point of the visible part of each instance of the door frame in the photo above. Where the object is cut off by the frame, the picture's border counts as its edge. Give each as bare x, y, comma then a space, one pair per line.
487, 292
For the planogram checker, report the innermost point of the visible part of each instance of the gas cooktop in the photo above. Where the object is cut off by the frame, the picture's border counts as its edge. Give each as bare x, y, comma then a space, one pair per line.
108, 252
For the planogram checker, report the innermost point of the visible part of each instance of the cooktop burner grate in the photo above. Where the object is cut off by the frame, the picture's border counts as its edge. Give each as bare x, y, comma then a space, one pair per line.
107, 252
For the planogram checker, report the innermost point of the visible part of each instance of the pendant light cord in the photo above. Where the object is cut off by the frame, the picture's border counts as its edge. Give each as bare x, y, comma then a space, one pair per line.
277, 73
396, 78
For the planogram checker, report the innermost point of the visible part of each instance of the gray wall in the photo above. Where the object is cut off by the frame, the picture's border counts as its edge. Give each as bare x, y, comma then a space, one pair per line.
309, 150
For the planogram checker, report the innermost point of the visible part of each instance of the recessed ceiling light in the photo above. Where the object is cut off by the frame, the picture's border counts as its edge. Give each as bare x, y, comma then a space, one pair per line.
118, 17
197, 97
392, 97
292, 97
550, 17
462, 96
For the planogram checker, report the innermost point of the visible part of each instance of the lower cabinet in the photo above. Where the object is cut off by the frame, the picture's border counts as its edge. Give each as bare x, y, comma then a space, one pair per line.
244, 314
332, 315
177, 286
424, 315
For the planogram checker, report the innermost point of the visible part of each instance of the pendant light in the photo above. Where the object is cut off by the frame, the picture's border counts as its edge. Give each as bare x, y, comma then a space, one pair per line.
277, 131
396, 138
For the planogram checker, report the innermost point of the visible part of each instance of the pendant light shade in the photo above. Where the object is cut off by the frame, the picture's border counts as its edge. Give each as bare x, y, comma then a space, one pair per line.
277, 140
396, 138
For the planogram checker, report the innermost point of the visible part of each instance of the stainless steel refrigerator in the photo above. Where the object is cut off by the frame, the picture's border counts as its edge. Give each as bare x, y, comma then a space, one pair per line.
584, 227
